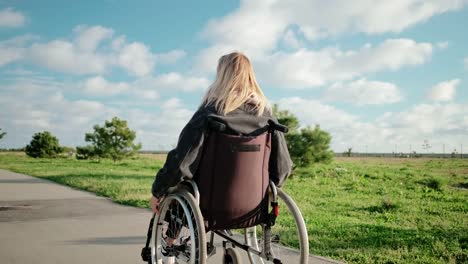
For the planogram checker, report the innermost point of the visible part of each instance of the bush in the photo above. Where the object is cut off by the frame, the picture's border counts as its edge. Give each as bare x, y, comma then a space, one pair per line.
86, 152
433, 183
307, 145
113, 140
43, 145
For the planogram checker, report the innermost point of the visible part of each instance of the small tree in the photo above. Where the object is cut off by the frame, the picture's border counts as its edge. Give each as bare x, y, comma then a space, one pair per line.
43, 145
2, 133
310, 146
286, 118
307, 145
113, 140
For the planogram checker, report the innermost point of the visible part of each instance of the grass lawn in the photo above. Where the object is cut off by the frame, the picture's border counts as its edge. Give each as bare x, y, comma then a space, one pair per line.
360, 210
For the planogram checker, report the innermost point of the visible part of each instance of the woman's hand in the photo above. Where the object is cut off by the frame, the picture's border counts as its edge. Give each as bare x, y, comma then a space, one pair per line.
154, 203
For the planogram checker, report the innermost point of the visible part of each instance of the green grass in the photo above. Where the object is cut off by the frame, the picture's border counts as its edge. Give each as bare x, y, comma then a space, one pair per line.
356, 210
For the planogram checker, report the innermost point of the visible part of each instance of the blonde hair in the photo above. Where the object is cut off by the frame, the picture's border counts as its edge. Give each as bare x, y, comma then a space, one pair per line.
235, 85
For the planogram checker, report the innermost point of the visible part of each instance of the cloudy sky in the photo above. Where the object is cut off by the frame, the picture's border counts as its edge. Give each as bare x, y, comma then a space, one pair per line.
378, 75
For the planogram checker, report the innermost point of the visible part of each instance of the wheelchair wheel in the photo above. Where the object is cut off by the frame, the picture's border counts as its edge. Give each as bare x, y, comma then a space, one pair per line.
178, 232
232, 256
288, 232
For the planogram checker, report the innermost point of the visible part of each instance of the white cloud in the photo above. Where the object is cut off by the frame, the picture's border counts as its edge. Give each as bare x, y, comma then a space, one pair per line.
89, 38
174, 80
363, 92
171, 57
160, 130
11, 18
100, 86
439, 123
146, 88
92, 50
257, 26
49, 109
13, 49
444, 91
83, 56
10, 54
305, 68
137, 59
323, 18
442, 44
63, 56
291, 40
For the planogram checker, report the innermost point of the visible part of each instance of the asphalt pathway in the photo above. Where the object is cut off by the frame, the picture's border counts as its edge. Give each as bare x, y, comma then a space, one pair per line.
43, 222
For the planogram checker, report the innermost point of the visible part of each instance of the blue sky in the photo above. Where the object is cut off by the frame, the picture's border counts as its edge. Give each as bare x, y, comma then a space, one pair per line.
377, 75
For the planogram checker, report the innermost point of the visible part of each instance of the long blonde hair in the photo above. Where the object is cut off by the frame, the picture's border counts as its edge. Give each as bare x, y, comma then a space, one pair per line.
235, 85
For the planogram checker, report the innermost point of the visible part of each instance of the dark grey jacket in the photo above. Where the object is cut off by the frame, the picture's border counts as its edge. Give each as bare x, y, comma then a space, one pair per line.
182, 162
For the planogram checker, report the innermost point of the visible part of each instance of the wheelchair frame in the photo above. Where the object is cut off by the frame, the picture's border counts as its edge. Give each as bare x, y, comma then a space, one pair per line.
250, 234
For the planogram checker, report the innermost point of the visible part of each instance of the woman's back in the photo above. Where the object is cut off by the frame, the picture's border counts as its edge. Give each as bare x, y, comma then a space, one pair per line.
236, 99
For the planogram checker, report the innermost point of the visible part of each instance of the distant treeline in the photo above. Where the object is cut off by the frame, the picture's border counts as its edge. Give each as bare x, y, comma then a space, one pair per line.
404, 155
357, 154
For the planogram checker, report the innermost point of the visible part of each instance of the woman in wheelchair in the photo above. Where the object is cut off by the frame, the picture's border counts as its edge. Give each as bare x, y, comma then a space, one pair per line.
226, 173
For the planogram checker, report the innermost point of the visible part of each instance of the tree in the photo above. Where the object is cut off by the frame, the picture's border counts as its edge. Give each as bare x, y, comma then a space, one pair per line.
310, 145
113, 140
43, 145
306, 145
2, 134
286, 118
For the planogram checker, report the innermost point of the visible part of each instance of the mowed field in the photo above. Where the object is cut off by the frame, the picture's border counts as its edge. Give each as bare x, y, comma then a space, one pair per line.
359, 210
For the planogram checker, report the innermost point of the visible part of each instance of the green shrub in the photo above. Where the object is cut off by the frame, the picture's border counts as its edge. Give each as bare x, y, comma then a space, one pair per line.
307, 145
43, 145
86, 152
433, 183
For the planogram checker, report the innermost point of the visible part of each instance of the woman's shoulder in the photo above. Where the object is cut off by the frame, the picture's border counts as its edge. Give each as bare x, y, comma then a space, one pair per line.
199, 117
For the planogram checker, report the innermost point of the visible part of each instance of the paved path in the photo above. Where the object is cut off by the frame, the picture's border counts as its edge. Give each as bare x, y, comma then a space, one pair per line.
43, 222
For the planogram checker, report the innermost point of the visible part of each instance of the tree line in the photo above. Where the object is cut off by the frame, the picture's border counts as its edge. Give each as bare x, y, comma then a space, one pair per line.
115, 140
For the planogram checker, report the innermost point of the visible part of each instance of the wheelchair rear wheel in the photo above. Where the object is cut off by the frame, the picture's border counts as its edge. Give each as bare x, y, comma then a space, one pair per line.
288, 232
178, 232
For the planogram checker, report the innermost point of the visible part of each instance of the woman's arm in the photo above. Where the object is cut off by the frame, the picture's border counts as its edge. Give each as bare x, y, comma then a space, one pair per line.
280, 164
182, 162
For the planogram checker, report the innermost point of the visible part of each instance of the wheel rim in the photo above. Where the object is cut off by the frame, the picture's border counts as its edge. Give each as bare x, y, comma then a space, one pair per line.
181, 228
286, 233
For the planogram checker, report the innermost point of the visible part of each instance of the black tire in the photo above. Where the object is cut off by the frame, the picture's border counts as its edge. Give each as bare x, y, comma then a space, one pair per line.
232, 256
181, 220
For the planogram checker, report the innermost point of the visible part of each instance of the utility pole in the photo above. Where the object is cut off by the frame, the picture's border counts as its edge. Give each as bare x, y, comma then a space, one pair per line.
443, 149
461, 150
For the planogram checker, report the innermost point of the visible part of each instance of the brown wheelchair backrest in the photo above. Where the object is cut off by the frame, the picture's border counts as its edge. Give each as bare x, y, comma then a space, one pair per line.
233, 180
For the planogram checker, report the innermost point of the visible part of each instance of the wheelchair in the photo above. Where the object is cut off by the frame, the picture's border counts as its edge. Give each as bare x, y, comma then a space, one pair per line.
230, 200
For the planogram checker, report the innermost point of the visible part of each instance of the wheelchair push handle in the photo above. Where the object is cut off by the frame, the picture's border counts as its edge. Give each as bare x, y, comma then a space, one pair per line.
277, 126
220, 126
